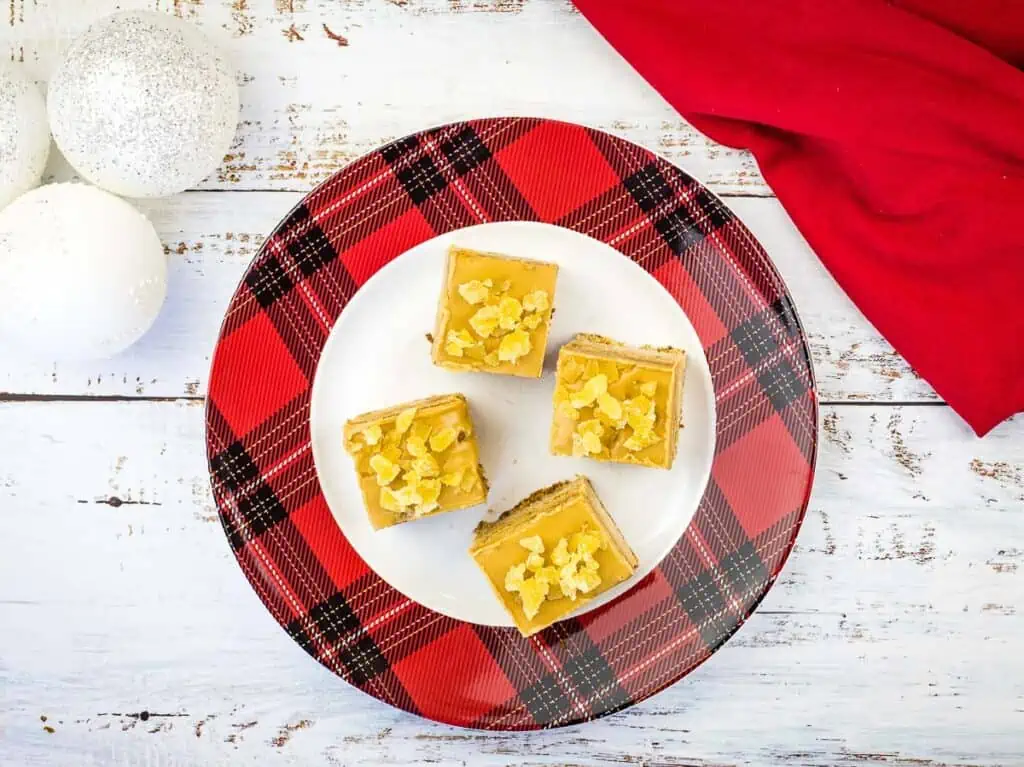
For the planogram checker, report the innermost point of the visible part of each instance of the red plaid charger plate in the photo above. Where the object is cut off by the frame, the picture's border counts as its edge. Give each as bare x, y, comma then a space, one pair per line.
265, 482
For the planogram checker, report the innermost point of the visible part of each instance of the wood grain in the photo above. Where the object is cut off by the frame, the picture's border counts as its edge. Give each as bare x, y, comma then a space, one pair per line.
892, 636
309, 106
210, 240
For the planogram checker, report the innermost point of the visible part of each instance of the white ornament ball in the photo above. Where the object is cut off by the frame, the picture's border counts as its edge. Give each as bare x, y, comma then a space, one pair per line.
24, 134
143, 105
82, 273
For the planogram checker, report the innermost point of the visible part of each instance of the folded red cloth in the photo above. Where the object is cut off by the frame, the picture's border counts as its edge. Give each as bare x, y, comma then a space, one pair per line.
893, 134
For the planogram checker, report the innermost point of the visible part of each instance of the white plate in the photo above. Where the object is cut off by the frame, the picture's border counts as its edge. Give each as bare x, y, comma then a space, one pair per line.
378, 356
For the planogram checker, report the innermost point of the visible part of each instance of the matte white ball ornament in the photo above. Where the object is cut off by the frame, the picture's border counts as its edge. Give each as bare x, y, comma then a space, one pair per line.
143, 105
24, 134
82, 273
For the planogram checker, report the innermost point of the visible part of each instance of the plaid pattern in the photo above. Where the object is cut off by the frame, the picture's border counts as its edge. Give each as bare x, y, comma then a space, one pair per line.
265, 482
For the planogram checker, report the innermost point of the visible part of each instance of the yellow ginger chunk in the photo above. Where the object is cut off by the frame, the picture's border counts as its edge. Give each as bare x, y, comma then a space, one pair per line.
453, 478
533, 544
571, 372
485, 321
509, 313
372, 434
430, 491
513, 346
393, 453
560, 554
385, 470
532, 321
474, 292
388, 501
468, 482
533, 592
416, 446
610, 406
534, 562
426, 466
457, 341
408, 494
404, 420
649, 389
586, 541
592, 389
640, 440
443, 439
587, 439
514, 577
491, 359
565, 408
537, 301
640, 414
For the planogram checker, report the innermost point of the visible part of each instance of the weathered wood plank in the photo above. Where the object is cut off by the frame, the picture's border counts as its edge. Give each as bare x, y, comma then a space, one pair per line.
310, 105
210, 240
900, 615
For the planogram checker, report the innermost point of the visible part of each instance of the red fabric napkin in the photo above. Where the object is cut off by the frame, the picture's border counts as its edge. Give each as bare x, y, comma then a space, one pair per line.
893, 134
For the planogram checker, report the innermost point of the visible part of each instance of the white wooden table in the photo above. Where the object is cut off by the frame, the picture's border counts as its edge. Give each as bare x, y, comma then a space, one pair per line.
129, 636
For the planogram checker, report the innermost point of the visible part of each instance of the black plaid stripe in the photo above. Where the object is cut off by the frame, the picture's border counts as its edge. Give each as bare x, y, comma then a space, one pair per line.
333, 287
258, 511
679, 230
714, 215
301, 333
422, 179
363, 660
334, 624
782, 384
268, 282
785, 314
312, 251
719, 528
756, 339
234, 467
592, 677
744, 571
693, 219
465, 151
398, 149
506, 203
706, 606
801, 418
331, 619
648, 187
545, 700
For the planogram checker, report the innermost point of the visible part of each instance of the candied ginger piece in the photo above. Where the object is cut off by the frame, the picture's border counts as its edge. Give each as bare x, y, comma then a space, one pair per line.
537, 301
592, 389
509, 313
404, 420
443, 439
372, 434
485, 321
513, 346
474, 292
533, 544
385, 470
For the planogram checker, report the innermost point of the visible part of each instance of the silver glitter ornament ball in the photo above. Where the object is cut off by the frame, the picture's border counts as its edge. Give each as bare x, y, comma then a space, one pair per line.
24, 134
143, 105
